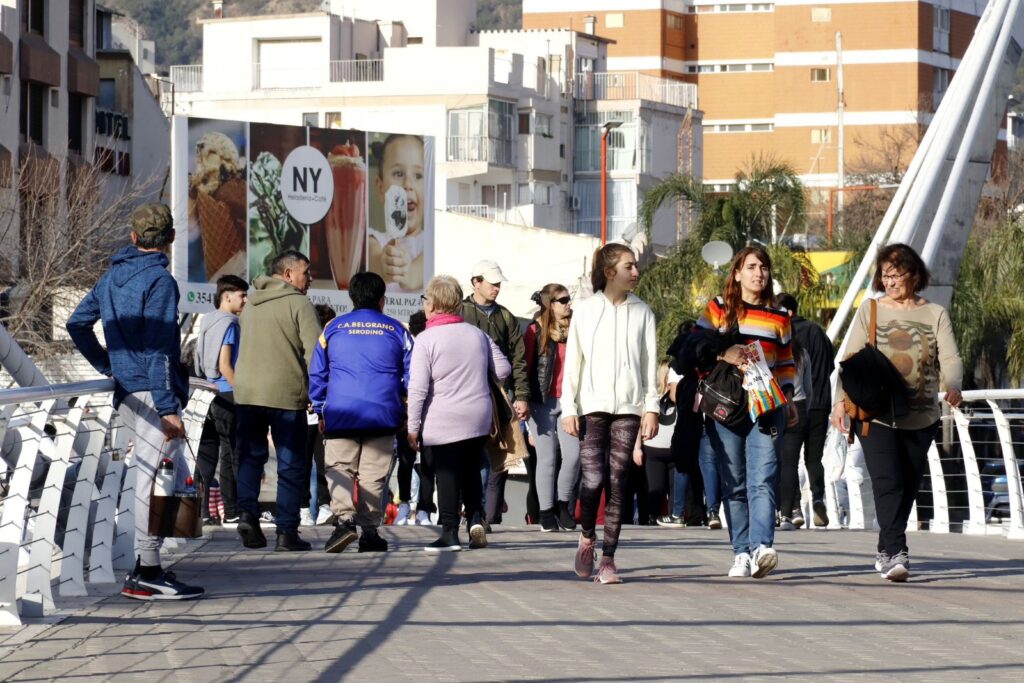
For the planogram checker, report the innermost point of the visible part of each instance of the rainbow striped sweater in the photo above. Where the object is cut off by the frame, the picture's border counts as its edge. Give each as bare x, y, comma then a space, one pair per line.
770, 326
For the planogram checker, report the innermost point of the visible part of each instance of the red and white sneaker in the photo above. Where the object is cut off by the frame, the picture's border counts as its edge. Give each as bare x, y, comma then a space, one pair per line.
164, 587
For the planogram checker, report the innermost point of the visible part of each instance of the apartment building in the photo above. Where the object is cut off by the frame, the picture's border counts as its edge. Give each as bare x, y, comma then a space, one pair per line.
517, 115
49, 79
768, 72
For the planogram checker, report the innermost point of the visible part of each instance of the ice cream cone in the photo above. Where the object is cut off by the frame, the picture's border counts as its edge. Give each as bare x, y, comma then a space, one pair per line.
221, 232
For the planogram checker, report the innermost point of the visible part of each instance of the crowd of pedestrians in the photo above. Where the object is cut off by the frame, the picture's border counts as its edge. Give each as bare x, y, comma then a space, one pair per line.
617, 433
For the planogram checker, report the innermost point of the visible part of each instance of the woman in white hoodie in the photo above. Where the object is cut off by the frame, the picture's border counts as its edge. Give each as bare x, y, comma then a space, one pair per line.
609, 395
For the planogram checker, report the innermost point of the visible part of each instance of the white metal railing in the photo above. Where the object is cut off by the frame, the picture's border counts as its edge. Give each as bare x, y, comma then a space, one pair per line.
187, 78
66, 513
635, 86
357, 70
473, 210
974, 448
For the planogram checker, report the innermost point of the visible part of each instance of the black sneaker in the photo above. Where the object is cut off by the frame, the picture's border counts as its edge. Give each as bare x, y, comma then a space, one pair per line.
212, 521
671, 521
447, 543
548, 522
565, 518
250, 531
714, 521
291, 542
164, 587
372, 542
344, 534
820, 511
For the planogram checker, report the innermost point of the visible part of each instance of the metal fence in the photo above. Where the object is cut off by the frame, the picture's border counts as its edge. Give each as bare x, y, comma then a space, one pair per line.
357, 70
635, 86
187, 78
68, 478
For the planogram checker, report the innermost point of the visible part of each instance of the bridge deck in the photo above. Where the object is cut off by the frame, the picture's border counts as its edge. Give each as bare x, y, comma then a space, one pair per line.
515, 611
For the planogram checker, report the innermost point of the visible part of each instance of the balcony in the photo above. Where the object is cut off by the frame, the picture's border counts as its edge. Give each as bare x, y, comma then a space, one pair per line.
479, 148
357, 71
635, 86
187, 78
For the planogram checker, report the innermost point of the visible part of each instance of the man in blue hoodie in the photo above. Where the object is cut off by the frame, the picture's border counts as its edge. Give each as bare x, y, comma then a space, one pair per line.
137, 302
357, 383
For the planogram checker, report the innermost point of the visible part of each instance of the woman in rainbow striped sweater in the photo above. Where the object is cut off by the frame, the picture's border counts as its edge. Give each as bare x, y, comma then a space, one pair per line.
748, 453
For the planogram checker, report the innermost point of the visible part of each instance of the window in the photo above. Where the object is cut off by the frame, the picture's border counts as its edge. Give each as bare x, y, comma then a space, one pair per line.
524, 123
311, 119
30, 121
741, 128
76, 22
940, 85
75, 126
414, 41
821, 15
542, 194
735, 67
523, 196
821, 136
761, 127
500, 123
821, 75
332, 119
940, 29
33, 16
564, 130
614, 20
544, 125
761, 67
674, 22
108, 94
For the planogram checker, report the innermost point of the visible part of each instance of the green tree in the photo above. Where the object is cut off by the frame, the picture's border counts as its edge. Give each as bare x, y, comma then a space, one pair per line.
767, 193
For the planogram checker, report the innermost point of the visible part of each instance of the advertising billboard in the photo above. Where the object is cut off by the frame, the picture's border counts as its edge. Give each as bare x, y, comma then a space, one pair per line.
350, 200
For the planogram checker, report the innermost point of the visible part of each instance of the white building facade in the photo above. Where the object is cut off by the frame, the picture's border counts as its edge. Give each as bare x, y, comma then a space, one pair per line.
517, 114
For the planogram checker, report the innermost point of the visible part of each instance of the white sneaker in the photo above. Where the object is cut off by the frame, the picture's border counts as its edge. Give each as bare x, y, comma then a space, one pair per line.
323, 514
765, 560
402, 518
423, 518
305, 519
267, 518
740, 566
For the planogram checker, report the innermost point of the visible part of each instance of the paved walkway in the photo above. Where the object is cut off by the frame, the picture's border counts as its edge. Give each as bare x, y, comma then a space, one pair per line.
515, 612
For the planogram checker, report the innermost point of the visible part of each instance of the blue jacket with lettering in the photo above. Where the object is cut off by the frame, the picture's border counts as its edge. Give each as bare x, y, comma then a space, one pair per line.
359, 373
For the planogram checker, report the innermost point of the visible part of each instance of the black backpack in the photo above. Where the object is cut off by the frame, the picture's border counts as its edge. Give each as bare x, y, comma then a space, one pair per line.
723, 397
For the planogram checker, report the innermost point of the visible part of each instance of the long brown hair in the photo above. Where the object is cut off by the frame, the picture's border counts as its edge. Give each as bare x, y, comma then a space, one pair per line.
547, 327
735, 310
606, 257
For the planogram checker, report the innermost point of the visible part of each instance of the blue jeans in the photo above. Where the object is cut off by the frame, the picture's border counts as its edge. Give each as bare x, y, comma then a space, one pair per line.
288, 428
708, 462
748, 460
679, 486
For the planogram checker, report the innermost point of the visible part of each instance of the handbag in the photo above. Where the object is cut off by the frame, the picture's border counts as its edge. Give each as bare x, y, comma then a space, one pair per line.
505, 444
723, 397
178, 515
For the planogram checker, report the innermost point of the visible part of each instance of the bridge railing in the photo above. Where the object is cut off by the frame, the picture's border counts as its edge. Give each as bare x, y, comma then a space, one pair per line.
67, 480
973, 481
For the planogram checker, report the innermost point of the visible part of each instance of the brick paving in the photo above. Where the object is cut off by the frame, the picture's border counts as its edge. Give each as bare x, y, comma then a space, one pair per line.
516, 612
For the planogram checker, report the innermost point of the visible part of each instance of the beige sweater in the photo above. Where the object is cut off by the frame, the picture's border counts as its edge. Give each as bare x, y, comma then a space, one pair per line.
920, 343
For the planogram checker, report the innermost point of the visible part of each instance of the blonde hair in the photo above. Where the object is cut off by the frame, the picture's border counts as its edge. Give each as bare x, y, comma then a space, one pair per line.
663, 367
445, 294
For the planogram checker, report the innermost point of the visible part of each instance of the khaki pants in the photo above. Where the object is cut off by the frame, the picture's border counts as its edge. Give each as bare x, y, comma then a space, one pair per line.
363, 459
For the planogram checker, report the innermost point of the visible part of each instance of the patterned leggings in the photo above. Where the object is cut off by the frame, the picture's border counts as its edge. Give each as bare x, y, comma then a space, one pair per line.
605, 453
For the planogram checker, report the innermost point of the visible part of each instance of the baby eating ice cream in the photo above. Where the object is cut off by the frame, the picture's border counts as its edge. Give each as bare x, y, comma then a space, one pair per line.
396, 252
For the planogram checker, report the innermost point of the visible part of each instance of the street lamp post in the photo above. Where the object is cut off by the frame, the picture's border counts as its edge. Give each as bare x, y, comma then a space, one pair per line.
606, 129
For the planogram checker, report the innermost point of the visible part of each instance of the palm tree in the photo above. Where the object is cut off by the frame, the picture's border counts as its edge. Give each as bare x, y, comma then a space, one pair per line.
768, 193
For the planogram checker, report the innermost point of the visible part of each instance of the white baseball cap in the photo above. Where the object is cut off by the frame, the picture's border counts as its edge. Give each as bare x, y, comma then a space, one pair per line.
490, 271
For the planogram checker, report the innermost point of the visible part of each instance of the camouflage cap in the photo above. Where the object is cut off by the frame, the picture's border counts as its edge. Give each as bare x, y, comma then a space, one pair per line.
153, 221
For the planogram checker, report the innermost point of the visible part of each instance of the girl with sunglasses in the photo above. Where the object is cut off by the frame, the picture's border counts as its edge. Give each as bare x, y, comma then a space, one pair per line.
558, 453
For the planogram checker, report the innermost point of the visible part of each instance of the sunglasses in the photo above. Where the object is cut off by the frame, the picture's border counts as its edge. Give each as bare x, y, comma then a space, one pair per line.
564, 300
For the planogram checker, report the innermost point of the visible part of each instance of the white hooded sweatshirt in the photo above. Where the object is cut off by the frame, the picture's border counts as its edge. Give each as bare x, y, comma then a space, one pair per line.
611, 359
